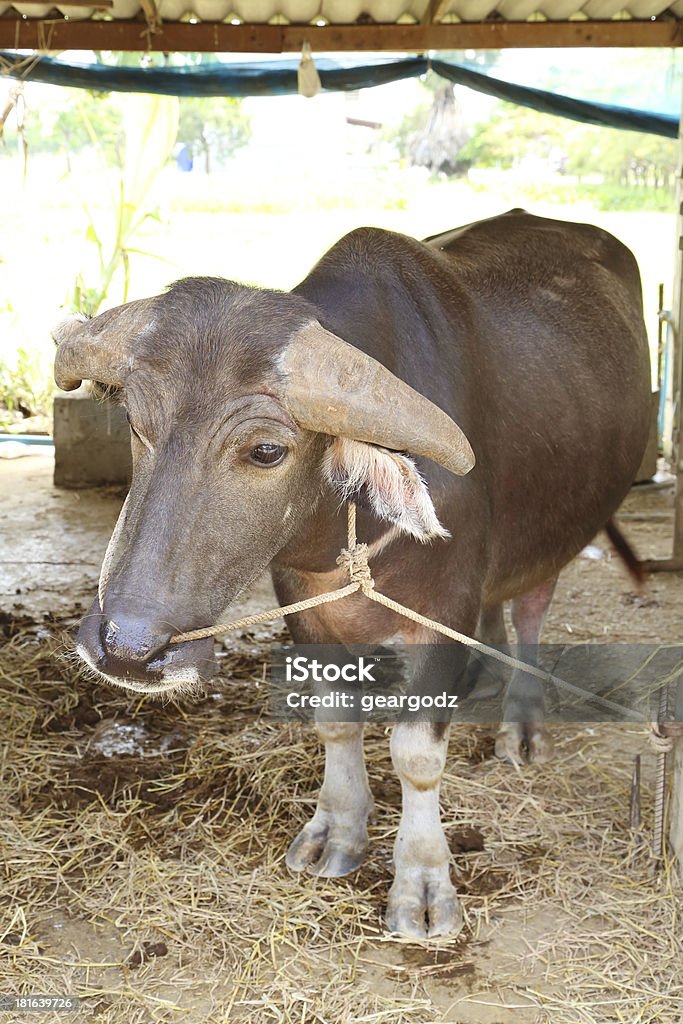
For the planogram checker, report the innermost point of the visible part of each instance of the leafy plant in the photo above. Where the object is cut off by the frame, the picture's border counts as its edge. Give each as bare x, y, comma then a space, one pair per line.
150, 125
26, 385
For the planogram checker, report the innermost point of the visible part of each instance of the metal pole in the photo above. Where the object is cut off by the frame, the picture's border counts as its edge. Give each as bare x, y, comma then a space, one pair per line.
660, 783
676, 819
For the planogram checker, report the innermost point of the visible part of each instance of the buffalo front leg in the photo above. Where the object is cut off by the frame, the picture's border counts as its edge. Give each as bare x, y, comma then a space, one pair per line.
334, 841
422, 901
522, 730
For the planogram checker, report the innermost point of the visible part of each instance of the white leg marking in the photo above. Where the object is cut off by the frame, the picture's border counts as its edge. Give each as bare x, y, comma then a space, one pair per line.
422, 901
334, 841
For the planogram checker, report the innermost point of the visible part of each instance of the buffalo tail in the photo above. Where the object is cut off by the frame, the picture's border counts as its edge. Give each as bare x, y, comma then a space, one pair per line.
625, 551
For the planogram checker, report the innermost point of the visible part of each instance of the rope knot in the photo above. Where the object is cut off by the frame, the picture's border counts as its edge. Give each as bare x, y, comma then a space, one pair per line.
659, 741
355, 561
663, 734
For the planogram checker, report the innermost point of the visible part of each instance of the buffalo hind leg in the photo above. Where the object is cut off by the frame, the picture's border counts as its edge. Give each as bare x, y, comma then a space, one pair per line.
422, 901
522, 730
487, 676
334, 841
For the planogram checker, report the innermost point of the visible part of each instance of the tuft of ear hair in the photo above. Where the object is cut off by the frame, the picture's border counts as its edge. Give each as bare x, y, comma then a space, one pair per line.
387, 482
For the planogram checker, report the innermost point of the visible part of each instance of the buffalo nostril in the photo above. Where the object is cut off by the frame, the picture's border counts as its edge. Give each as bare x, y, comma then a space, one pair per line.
131, 640
109, 631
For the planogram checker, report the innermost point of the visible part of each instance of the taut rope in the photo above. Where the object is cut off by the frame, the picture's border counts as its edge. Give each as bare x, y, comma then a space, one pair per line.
354, 558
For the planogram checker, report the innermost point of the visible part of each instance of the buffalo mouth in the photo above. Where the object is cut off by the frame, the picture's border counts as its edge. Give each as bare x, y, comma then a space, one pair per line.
177, 668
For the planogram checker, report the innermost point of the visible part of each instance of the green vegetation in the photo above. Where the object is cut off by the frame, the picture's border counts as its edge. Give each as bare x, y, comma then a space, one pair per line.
87, 119
150, 125
615, 169
630, 160
607, 196
513, 134
213, 128
26, 386
264, 215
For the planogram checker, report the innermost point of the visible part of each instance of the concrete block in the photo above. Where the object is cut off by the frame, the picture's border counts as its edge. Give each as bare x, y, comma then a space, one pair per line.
92, 442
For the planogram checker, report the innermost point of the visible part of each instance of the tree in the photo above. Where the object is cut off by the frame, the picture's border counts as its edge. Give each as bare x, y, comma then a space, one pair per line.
213, 127
90, 119
433, 133
439, 145
630, 159
513, 133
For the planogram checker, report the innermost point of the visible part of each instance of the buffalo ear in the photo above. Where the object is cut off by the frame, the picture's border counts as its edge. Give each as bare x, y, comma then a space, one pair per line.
386, 482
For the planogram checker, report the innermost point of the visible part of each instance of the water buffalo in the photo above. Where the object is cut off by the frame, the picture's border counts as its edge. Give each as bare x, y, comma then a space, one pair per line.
252, 411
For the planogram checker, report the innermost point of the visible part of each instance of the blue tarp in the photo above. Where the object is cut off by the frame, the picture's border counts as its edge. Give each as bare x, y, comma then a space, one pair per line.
276, 78
603, 114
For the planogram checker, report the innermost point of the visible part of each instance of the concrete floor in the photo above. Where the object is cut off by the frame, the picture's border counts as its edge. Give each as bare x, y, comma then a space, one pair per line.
52, 542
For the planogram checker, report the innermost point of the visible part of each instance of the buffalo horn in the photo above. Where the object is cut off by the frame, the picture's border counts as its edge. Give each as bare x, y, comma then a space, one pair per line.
99, 349
334, 388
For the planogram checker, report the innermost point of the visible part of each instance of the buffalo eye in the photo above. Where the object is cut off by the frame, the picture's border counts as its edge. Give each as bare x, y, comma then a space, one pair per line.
268, 454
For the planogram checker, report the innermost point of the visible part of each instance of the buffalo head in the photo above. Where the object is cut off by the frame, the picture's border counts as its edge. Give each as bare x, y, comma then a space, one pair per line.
244, 412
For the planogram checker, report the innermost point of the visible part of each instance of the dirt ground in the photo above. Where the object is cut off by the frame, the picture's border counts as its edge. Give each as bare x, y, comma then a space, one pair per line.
53, 541
143, 844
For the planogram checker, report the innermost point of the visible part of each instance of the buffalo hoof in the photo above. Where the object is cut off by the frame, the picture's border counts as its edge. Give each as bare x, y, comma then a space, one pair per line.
322, 848
423, 905
518, 742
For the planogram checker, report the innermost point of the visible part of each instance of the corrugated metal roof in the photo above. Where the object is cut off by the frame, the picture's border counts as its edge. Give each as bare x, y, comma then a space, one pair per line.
349, 12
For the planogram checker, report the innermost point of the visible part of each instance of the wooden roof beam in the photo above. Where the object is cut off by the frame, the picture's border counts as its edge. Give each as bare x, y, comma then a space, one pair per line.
217, 37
